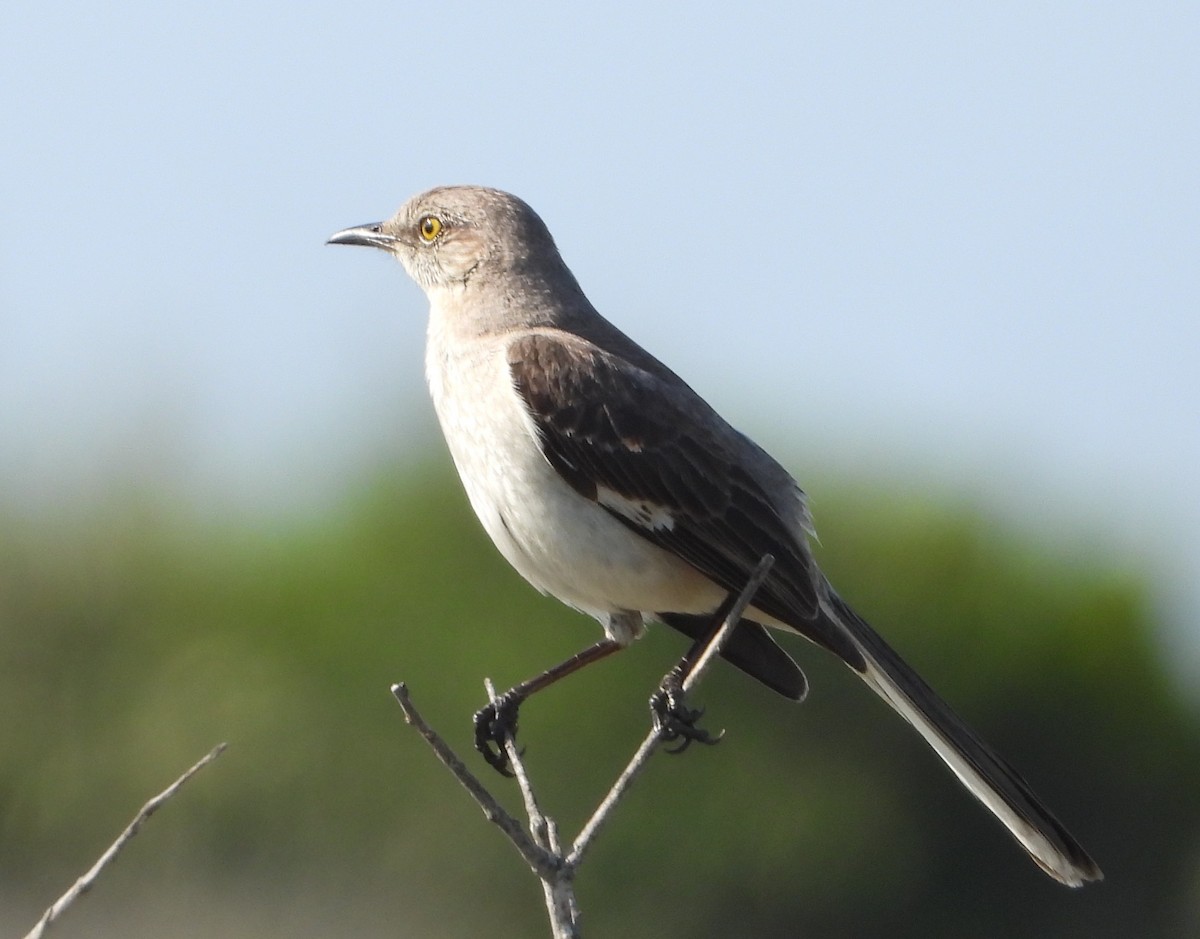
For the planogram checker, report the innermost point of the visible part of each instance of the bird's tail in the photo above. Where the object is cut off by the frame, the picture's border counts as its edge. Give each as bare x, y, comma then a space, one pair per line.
989, 778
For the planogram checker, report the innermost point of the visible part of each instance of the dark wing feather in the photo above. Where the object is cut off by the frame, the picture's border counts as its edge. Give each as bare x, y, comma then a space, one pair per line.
607, 424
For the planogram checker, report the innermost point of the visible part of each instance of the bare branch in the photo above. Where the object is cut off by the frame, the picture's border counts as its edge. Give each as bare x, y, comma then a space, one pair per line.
88, 880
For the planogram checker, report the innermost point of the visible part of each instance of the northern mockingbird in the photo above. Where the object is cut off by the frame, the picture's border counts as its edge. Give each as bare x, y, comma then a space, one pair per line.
606, 481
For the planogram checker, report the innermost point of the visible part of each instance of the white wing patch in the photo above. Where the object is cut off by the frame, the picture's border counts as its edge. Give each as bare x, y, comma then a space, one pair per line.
647, 514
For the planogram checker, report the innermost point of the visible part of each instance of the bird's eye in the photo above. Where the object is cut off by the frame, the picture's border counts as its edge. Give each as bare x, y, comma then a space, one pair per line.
430, 227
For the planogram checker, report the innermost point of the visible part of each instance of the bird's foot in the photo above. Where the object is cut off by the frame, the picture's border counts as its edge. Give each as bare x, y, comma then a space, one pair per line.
674, 720
495, 725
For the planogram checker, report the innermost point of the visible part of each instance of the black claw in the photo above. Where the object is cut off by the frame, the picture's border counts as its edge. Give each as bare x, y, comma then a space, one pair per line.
674, 720
495, 723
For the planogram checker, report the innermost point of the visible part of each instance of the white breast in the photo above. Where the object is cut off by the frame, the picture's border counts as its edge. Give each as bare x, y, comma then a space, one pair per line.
559, 541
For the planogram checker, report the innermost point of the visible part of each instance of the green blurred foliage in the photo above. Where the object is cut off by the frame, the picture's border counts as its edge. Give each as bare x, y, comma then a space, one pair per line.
133, 641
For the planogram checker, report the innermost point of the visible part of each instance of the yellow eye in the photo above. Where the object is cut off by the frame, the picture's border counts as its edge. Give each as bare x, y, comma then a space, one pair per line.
429, 227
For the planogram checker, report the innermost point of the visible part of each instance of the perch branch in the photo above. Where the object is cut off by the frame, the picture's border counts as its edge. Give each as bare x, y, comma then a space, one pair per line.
541, 847
655, 738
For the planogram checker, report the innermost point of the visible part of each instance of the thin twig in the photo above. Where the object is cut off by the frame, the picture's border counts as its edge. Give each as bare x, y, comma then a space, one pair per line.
537, 857
559, 887
642, 756
538, 823
88, 880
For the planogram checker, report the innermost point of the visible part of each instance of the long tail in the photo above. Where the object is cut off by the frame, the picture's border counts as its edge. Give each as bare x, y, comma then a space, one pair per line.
989, 778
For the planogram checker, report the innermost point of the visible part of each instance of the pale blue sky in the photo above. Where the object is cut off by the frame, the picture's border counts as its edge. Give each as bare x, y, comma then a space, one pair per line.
952, 242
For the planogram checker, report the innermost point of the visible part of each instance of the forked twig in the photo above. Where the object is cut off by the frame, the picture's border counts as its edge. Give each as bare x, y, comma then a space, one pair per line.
541, 847
542, 862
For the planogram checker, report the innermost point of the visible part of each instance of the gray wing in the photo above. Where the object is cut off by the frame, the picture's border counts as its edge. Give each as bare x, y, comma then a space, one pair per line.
650, 451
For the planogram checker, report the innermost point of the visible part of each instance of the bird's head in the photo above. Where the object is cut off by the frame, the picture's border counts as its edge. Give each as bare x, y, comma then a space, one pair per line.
451, 235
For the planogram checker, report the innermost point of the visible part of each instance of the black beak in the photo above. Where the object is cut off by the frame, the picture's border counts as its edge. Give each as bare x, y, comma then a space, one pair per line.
369, 236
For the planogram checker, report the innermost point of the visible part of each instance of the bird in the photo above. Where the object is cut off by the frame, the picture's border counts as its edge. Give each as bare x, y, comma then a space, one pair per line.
607, 482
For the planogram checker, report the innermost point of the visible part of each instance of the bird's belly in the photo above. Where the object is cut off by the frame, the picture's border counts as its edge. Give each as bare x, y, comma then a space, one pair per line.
575, 550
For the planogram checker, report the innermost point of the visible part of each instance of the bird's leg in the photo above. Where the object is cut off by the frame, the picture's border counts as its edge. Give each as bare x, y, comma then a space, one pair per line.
496, 721
673, 719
